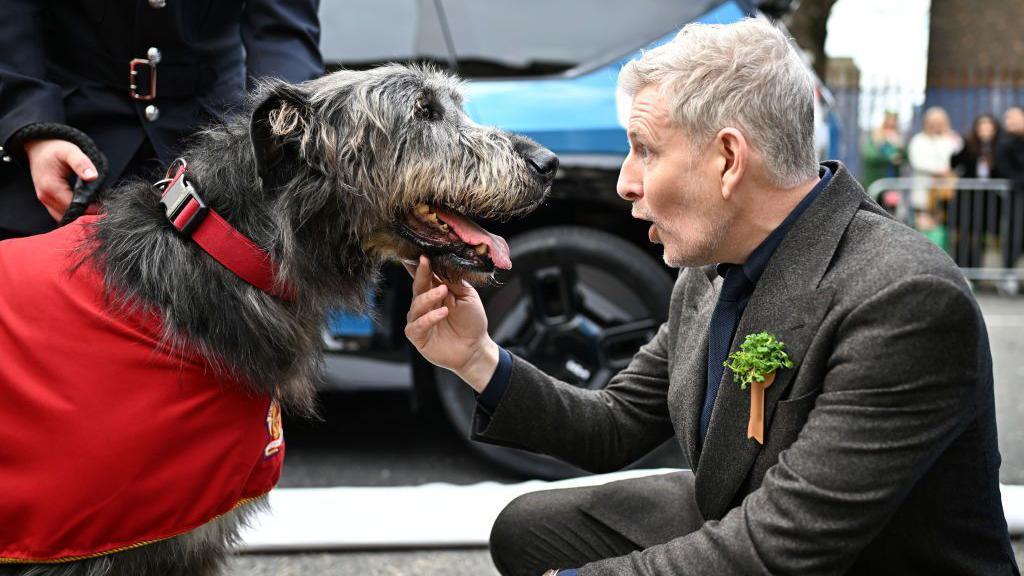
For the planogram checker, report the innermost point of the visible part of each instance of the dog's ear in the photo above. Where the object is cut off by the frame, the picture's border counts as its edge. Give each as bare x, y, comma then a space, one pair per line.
278, 121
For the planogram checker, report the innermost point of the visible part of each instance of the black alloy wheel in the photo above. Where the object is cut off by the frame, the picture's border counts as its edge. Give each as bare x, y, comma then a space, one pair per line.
578, 304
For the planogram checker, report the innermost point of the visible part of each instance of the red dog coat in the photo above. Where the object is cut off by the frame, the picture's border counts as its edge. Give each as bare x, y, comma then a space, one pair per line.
108, 439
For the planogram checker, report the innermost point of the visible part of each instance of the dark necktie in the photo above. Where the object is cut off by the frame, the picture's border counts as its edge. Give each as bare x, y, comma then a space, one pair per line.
735, 289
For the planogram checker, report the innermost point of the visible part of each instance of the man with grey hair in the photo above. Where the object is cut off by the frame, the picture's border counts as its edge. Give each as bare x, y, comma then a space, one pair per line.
863, 440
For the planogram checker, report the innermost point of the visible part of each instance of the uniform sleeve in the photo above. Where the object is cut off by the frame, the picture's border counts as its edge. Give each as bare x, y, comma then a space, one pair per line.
25, 96
282, 39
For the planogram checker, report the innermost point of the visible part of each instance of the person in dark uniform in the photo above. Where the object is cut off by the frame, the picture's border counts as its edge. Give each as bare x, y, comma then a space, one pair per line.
69, 61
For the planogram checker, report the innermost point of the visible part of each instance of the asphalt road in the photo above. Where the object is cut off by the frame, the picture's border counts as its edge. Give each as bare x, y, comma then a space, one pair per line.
376, 439
1005, 320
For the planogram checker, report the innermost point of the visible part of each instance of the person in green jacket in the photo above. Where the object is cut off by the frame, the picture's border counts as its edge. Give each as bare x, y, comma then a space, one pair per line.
883, 152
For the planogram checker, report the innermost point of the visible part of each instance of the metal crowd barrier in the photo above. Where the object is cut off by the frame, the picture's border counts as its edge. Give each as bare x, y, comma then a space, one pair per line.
978, 221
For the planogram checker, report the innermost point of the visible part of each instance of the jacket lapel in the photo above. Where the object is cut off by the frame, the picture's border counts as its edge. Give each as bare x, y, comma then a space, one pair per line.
789, 304
689, 375
728, 454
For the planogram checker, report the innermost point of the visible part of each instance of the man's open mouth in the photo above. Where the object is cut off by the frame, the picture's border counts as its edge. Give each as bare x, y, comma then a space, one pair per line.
440, 230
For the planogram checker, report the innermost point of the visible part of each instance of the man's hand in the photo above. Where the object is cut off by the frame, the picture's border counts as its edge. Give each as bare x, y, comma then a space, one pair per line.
51, 162
448, 326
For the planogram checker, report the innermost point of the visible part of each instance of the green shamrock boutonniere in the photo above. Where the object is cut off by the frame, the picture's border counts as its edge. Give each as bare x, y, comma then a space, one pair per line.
759, 355
754, 364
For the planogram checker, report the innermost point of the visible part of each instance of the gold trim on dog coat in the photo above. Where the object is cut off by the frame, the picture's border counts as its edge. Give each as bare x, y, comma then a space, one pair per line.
110, 439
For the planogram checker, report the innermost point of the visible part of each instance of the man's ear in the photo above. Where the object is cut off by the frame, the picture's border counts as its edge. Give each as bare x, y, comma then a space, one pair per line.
734, 153
278, 121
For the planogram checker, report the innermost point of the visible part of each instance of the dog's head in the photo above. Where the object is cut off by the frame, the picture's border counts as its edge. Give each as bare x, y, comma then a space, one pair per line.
389, 156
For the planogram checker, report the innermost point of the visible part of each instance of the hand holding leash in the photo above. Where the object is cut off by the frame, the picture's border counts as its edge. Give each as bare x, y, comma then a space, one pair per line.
55, 152
51, 162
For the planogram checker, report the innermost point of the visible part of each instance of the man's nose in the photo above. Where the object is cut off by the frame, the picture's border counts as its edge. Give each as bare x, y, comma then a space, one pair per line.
630, 184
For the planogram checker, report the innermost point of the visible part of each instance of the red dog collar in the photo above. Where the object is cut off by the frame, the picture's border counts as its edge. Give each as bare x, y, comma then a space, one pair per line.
235, 251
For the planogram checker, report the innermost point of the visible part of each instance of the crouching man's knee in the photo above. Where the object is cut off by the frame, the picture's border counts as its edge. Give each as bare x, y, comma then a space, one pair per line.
547, 529
511, 536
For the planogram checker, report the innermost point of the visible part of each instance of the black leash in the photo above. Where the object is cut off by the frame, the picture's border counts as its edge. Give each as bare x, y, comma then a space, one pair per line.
84, 193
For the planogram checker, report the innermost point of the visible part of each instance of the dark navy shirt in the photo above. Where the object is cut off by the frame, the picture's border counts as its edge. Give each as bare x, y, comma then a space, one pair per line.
752, 269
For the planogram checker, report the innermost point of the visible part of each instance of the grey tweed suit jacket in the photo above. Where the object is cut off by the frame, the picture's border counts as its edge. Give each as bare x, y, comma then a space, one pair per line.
880, 453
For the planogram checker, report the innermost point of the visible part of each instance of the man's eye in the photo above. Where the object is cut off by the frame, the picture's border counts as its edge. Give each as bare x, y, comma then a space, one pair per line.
641, 151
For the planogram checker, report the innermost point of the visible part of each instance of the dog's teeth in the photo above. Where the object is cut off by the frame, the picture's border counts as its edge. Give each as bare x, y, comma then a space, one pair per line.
422, 209
481, 249
444, 227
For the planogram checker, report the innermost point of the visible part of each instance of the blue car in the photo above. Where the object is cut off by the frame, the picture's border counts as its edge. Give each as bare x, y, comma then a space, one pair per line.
587, 288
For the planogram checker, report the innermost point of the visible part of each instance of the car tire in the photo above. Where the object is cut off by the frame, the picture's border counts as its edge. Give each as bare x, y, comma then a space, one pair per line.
578, 303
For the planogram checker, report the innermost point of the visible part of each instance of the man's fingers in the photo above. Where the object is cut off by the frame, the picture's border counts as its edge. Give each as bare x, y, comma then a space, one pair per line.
53, 213
417, 331
461, 289
55, 195
426, 302
421, 281
79, 162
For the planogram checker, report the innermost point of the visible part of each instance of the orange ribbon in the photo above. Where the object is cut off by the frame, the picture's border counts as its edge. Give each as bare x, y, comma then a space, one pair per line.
755, 426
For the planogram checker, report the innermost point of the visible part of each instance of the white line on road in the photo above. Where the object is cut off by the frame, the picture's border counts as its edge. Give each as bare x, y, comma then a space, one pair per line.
427, 516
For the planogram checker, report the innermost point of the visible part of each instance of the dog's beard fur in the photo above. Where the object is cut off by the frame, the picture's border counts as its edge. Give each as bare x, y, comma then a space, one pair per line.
319, 175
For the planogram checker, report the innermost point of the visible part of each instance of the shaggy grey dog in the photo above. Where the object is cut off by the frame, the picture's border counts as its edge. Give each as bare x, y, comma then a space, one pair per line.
331, 177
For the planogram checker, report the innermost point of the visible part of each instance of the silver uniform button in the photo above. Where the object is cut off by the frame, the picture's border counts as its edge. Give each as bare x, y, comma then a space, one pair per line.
152, 113
153, 55
157, 3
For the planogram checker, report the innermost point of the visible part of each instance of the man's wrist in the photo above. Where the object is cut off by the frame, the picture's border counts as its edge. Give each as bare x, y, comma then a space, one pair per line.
481, 365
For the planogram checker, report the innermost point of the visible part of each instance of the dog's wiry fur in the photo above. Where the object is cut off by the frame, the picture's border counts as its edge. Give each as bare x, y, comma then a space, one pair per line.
317, 174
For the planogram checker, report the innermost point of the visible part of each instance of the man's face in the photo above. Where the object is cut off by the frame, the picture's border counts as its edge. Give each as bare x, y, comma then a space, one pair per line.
680, 195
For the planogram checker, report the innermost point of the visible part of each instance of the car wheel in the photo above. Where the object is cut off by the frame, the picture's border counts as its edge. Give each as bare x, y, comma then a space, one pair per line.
578, 303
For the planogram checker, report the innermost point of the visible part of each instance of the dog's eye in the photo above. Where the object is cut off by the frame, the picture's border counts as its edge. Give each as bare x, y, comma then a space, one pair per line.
426, 110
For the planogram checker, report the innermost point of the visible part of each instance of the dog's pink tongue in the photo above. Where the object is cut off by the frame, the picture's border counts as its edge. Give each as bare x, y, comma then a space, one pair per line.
471, 233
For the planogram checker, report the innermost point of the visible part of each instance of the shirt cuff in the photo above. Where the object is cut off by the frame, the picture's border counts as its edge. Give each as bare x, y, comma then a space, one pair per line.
568, 572
488, 400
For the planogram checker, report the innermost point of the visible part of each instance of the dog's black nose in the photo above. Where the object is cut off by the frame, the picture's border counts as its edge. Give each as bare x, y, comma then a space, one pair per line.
543, 161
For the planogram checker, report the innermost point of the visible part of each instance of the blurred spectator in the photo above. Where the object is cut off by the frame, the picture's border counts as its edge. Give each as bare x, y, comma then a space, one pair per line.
882, 155
978, 156
930, 153
976, 160
1010, 164
883, 150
